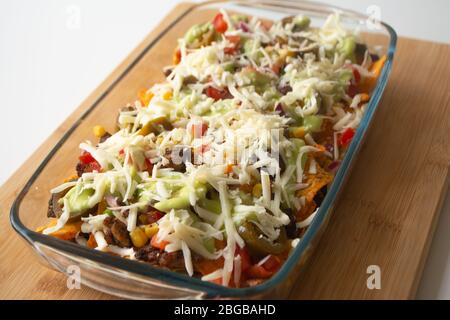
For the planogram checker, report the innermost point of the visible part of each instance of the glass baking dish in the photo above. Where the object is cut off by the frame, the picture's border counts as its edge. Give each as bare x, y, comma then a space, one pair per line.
133, 279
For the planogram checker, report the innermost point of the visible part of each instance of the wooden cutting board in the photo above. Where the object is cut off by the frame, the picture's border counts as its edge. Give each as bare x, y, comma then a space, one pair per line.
387, 213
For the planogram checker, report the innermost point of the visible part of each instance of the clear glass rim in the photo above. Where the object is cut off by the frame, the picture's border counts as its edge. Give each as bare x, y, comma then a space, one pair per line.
178, 280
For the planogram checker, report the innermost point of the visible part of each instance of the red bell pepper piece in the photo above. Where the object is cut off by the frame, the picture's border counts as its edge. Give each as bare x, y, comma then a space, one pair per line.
346, 137
86, 158
219, 23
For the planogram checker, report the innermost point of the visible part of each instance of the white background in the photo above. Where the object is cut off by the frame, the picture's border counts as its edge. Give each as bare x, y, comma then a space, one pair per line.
50, 61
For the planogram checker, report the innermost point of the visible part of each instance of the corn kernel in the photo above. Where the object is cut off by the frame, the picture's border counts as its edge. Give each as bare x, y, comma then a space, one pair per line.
151, 230
99, 131
138, 237
167, 95
257, 190
298, 132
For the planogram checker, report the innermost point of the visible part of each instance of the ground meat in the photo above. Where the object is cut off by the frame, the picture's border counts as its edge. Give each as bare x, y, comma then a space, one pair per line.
54, 207
285, 89
83, 167
183, 154
173, 260
50, 211
108, 222
104, 137
120, 233
109, 238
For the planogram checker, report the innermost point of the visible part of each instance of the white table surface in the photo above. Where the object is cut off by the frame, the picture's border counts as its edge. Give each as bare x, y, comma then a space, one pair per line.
54, 53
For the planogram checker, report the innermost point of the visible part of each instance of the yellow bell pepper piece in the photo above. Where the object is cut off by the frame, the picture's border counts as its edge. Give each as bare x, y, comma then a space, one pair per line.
99, 131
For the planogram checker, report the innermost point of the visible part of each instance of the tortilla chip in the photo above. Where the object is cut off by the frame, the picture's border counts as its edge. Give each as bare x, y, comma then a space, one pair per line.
306, 211
315, 182
67, 232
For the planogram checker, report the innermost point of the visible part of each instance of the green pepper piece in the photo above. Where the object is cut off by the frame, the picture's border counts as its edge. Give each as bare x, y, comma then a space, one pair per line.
259, 245
301, 23
155, 125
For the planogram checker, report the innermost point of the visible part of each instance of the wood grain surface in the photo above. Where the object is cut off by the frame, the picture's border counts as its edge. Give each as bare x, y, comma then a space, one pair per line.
386, 216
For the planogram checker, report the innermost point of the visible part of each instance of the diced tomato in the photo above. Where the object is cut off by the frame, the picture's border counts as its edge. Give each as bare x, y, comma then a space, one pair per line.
265, 270
346, 137
158, 244
230, 50
219, 23
217, 94
234, 39
86, 158
235, 42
